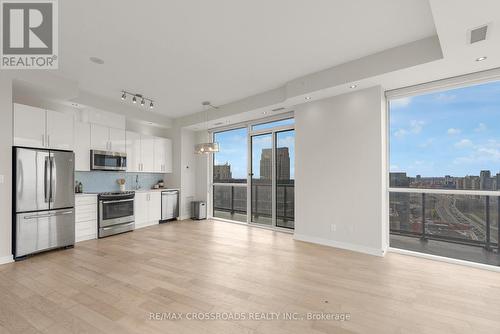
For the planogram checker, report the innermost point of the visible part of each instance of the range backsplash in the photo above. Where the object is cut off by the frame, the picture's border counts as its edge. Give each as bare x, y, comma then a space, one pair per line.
97, 181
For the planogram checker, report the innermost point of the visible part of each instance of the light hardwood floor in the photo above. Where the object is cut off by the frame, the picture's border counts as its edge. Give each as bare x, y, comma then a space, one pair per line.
112, 285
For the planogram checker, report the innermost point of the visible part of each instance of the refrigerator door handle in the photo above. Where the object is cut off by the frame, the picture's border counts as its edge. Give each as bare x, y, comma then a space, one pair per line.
53, 173
47, 180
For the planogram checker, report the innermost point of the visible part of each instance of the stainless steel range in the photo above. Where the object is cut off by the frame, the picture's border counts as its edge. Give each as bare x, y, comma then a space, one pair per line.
116, 213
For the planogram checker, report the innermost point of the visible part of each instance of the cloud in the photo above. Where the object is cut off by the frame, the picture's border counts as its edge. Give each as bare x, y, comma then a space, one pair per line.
481, 127
400, 103
464, 143
453, 131
414, 128
427, 143
400, 133
395, 168
484, 153
445, 97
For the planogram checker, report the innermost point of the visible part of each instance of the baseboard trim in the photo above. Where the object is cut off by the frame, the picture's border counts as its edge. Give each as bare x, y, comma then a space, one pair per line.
6, 259
445, 259
342, 245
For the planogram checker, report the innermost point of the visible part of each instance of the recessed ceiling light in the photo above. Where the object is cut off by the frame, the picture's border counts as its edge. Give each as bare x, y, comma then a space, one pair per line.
96, 60
353, 86
308, 97
264, 113
481, 58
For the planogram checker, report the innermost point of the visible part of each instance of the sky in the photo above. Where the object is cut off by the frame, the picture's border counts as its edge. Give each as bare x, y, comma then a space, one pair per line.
454, 132
233, 149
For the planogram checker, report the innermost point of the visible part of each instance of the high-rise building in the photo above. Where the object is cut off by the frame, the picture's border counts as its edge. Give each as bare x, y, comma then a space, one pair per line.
399, 179
282, 164
485, 180
222, 172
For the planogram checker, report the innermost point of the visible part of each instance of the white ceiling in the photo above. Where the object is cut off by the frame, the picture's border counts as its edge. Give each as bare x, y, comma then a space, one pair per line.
183, 52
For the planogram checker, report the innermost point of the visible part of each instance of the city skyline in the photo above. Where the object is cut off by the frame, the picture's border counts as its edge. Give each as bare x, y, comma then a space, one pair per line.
233, 150
455, 132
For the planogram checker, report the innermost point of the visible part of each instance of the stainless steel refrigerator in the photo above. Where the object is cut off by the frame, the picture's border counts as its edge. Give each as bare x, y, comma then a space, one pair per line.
44, 200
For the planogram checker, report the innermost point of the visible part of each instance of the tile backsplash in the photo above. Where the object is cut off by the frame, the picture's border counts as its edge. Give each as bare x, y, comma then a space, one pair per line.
97, 181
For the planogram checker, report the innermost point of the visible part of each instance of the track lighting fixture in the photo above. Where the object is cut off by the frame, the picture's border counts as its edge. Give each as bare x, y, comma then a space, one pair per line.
136, 97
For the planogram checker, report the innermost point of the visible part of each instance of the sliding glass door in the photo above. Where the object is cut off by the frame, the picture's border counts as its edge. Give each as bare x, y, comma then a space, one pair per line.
262, 179
254, 175
285, 178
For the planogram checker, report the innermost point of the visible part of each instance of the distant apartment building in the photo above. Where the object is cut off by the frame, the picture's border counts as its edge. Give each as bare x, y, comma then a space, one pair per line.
222, 172
485, 180
399, 179
282, 164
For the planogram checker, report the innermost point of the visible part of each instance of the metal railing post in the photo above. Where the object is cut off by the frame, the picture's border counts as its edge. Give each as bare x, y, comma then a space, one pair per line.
487, 243
232, 200
423, 216
498, 224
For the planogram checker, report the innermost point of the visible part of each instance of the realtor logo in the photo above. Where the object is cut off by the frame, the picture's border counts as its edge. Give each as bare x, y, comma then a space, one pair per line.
29, 34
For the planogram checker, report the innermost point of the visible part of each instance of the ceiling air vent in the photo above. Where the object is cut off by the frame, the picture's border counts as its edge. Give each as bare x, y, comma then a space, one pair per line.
278, 109
478, 34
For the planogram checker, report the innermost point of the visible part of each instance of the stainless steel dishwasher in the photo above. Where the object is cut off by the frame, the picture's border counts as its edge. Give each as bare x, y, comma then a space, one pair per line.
169, 205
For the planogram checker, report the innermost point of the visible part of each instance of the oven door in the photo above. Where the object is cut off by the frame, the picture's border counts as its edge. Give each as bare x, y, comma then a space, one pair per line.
112, 212
103, 160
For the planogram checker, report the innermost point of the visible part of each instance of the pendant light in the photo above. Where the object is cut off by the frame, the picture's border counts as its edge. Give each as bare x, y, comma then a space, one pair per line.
208, 147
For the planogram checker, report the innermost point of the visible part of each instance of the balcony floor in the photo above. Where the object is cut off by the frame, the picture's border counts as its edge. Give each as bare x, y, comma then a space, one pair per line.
446, 249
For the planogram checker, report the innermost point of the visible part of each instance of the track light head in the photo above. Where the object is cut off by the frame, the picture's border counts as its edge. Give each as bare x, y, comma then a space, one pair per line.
151, 105
124, 96
143, 102
134, 100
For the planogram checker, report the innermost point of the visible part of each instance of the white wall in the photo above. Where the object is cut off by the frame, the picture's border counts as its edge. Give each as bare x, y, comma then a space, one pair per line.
5, 169
340, 167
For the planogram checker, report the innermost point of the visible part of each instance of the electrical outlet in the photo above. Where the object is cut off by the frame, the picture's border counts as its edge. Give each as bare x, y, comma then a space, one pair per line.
333, 227
2, 179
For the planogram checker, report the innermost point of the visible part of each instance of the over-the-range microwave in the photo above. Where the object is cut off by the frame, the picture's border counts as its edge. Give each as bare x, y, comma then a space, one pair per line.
106, 160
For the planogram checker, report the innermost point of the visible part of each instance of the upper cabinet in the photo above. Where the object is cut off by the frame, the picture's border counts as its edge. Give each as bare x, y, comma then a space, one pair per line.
82, 146
104, 138
163, 155
133, 145
40, 128
148, 154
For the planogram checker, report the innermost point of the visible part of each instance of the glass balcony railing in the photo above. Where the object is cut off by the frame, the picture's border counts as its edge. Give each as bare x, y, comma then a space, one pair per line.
465, 217
230, 202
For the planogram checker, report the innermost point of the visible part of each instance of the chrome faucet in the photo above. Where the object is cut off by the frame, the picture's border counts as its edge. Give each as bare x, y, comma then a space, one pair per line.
137, 187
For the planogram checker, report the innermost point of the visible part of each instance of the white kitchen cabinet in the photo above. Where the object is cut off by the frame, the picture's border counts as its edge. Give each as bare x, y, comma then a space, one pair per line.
99, 137
29, 126
133, 149
162, 155
147, 153
104, 138
141, 209
60, 129
85, 217
82, 146
117, 140
154, 206
168, 156
147, 208
40, 128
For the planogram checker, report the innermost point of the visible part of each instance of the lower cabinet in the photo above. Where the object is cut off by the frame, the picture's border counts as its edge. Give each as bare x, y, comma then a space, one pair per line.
85, 217
147, 208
